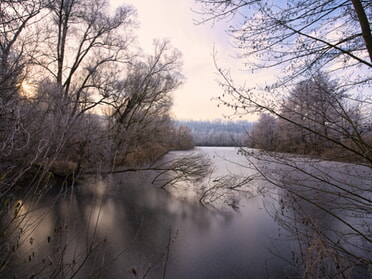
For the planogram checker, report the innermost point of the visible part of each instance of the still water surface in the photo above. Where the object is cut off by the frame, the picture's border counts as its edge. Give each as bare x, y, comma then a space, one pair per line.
142, 230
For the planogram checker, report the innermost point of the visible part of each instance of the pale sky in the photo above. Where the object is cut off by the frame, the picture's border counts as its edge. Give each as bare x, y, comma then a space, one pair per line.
174, 20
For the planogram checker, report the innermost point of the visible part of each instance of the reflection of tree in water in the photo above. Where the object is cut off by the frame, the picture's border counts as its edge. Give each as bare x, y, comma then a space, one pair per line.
104, 227
53, 239
326, 207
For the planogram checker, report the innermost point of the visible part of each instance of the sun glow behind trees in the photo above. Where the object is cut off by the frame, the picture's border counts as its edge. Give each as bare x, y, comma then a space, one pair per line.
28, 90
60, 62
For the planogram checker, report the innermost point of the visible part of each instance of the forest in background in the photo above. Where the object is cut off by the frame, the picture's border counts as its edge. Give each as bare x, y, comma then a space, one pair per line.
218, 132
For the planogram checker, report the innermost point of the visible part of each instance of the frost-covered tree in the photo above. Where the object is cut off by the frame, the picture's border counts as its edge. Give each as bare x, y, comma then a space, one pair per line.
324, 205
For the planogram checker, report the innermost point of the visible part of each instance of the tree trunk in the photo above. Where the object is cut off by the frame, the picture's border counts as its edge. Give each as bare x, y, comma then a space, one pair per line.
364, 24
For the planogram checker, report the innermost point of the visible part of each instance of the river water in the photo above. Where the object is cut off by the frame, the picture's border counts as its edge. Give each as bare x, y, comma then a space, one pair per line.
122, 226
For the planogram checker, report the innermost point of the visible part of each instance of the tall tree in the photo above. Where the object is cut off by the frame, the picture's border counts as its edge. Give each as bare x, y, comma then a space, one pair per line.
296, 35
15, 18
82, 58
264, 133
299, 40
82, 49
311, 116
141, 102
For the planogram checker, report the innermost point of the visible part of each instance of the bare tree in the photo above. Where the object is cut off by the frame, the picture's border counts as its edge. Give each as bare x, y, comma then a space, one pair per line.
183, 138
264, 133
324, 208
319, 119
141, 102
80, 52
81, 43
288, 38
296, 36
16, 16
76, 54
297, 41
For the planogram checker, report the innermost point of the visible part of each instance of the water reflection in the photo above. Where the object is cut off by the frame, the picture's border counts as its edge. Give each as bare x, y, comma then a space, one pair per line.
325, 206
118, 226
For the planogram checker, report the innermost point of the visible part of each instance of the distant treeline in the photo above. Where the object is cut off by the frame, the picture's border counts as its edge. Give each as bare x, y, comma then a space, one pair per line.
218, 132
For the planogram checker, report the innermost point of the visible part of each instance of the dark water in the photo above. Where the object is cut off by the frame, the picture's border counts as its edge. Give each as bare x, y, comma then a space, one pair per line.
122, 226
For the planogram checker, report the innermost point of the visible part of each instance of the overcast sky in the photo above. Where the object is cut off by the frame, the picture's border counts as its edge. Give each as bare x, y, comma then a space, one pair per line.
175, 20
